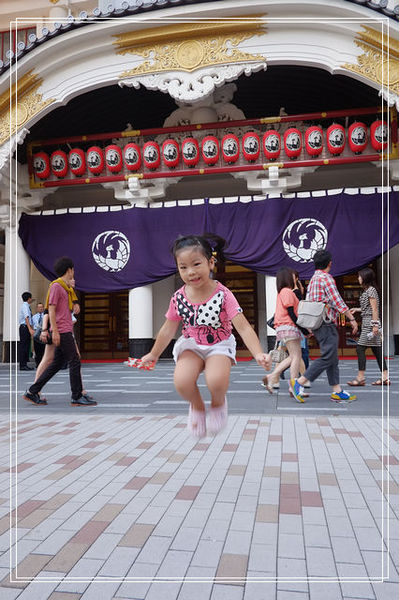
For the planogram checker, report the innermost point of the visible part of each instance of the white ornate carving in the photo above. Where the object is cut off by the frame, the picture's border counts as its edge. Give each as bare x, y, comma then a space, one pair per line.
8, 148
192, 87
392, 99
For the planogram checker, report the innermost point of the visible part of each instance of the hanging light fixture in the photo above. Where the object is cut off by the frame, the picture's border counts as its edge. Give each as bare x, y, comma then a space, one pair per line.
41, 165
59, 163
151, 155
77, 161
170, 153
292, 142
314, 140
379, 135
271, 144
357, 136
132, 156
113, 158
190, 152
251, 146
95, 160
210, 149
230, 148
336, 141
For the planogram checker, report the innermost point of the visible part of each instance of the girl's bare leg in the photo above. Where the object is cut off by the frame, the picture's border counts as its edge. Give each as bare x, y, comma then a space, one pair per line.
217, 377
294, 350
188, 367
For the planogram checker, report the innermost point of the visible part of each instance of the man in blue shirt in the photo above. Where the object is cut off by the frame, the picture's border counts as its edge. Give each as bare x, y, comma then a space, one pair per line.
37, 321
25, 331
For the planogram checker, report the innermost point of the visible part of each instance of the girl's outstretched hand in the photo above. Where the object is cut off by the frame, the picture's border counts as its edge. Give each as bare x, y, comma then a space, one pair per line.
264, 360
148, 361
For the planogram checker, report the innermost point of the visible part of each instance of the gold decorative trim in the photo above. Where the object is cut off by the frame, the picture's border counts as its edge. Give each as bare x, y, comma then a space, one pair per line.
26, 102
374, 63
190, 46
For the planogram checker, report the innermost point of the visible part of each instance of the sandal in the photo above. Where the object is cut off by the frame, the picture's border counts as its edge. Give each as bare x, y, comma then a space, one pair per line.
358, 382
382, 382
196, 423
267, 384
217, 417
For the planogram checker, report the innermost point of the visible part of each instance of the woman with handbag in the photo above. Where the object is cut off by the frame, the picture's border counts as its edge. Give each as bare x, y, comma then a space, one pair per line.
288, 334
370, 336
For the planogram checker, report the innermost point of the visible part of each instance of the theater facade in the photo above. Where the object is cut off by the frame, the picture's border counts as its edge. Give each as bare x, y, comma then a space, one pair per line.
122, 126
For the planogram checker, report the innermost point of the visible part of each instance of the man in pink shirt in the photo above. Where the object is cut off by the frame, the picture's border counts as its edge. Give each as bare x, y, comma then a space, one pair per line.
60, 305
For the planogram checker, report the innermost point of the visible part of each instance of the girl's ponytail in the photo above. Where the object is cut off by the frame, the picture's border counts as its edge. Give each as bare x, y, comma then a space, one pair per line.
209, 243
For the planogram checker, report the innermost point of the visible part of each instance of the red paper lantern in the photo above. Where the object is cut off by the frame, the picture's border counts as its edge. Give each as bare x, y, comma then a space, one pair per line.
170, 153
251, 146
132, 156
379, 135
335, 136
271, 144
357, 136
292, 142
190, 151
77, 161
230, 148
314, 140
59, 163
210, 149
41, 165
113, 158
151, 155
95, 160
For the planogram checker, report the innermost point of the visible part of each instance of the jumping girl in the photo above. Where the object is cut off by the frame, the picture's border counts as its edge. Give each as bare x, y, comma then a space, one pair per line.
207, 309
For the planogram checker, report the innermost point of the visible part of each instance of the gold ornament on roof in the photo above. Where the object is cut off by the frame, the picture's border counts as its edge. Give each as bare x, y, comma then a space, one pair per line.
190, 46
380, 59
26, 102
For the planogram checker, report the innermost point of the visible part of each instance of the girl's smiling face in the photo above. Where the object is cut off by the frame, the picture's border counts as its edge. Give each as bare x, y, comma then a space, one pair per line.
194, 267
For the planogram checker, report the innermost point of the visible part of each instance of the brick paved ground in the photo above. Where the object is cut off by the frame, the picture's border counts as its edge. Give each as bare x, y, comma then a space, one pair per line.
132, 500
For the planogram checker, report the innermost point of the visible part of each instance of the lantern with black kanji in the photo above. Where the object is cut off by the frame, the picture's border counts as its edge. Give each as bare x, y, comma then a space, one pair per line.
170, 153
77, 161
190, 151
95, 160
132, 156
230, 148
41, 165
379, 135
292, 142
151, 155
113, 158
210, 149
314, 140
357, 137
59, 163
335, 136
271, 144
251, 146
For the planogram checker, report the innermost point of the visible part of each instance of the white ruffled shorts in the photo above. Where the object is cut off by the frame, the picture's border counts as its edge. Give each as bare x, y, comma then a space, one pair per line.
226, 348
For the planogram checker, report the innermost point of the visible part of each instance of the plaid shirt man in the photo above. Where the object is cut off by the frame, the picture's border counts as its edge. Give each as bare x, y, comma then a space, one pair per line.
322, 288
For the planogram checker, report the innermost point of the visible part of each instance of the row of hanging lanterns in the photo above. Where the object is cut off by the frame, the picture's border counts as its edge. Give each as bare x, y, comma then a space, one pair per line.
131, 156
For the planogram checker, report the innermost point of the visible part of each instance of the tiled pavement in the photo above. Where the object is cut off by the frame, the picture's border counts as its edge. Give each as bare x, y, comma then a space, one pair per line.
277, 507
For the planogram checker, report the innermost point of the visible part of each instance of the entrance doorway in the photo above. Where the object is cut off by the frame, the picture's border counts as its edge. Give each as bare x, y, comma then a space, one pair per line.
104, 330
243, 284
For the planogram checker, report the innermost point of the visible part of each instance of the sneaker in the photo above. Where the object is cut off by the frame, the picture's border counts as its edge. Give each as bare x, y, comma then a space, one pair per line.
34, 399
217, 417
307, 384
342, 397
296, 390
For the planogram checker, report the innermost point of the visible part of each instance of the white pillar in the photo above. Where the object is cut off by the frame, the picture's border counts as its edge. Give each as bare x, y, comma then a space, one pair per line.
271, 297
16, 281
140, 320
394, 299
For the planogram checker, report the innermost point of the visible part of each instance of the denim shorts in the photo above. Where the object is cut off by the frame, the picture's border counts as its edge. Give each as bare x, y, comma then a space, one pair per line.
226, 348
